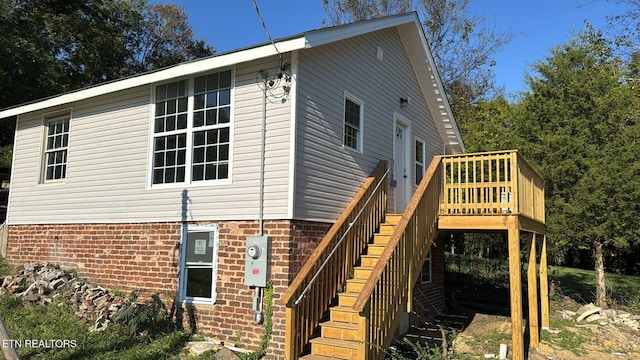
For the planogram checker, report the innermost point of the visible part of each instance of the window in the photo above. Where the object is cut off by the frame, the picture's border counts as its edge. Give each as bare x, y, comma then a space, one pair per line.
55, 154
419, 161
425, 274
198, 270
192, 129
352, 124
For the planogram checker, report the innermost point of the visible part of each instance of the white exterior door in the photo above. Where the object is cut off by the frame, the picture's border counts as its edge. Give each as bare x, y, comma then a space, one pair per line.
401, 169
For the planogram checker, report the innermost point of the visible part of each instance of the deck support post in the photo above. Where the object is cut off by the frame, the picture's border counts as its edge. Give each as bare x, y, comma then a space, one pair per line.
544, 285
515, 287
290, 333
532, 285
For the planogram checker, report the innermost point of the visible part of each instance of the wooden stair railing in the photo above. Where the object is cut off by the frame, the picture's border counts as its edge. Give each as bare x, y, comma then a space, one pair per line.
387, 292
333, 261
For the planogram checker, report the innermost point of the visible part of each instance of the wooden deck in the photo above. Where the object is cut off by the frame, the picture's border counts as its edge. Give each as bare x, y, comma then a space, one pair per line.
496, 191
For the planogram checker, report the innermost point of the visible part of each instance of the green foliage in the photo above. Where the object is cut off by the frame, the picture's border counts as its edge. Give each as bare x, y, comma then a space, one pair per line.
5, 268
268, 324
414, 350
147, 319
62, 46
56, 321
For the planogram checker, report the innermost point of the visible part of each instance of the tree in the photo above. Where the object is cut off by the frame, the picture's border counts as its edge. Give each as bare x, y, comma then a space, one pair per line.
49, 47
462, 50
581, 128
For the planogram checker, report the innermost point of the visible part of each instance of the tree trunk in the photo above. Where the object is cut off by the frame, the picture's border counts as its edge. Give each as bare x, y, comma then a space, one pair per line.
8, 350
601, 290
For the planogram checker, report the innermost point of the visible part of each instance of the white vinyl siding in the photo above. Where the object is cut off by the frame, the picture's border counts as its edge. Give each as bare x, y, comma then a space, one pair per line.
110, 157
327, 173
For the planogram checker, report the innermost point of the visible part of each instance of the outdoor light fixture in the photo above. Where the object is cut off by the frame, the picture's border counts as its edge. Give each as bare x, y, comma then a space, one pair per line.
404, 101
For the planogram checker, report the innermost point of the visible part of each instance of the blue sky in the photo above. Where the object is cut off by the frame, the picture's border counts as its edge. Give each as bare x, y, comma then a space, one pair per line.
537, 26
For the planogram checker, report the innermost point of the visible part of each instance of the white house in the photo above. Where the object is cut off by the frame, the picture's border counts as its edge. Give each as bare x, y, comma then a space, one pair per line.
126, 180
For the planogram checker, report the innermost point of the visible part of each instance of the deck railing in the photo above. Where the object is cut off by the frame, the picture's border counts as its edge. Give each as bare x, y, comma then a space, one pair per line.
387, 293
333, 260
491, 183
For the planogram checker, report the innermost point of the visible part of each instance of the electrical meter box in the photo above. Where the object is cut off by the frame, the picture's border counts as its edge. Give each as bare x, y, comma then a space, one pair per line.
257, 256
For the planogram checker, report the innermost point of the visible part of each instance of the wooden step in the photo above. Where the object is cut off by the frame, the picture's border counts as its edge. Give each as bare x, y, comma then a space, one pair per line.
339, 330
316, 357
355, 285
362, 272
343, 314
347, 299
381, 239
369, 260
339, 349
375, 249
392, 219
386, 229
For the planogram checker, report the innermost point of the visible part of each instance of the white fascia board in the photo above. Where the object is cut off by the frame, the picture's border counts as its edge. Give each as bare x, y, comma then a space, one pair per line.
337, 33
181, 70
415, 43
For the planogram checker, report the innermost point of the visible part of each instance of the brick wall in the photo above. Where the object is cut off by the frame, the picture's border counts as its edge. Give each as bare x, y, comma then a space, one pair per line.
430, 298
145, 258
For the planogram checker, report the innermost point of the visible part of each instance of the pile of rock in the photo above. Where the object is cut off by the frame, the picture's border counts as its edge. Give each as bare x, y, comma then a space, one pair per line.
590, 314
43, 283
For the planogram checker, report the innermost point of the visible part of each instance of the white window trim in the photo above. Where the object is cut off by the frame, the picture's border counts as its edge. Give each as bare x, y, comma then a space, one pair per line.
430, 260
350, 97
46, 117
182, 280
189, 130
424, 159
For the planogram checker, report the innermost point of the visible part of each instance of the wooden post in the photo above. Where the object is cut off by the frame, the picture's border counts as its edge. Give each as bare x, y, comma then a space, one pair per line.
534, 327
290, 333
544, 285
363, 331
9, 351
515, 286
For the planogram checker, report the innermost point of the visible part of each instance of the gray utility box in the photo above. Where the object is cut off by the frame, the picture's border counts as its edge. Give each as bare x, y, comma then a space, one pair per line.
257, 258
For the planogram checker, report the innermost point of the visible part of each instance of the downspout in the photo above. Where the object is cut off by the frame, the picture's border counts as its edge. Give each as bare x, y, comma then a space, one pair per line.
257, 300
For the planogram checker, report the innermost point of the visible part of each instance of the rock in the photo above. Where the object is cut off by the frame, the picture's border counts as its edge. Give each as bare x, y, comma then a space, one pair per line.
198, 348
610, 313
225, 354
587, 310
592, 318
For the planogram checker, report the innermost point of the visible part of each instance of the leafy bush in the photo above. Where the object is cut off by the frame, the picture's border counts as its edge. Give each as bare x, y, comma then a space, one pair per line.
147, 320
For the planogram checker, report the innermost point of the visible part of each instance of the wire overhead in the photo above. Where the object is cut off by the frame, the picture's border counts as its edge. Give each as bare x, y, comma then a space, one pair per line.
264, 26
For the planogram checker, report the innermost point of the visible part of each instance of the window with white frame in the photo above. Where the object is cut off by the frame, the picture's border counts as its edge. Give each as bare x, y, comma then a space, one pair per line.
192, 126
419, 160
352, 123
425, 274
55, 153
199, 264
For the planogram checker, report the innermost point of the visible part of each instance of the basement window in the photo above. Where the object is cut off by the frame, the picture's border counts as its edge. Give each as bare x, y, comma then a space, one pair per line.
425, 274
199, 264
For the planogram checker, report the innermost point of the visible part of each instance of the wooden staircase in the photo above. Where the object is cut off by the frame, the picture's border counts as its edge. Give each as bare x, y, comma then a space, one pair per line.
341, 336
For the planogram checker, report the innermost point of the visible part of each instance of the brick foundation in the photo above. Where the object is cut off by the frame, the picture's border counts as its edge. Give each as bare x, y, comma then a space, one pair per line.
145, 258
430, 298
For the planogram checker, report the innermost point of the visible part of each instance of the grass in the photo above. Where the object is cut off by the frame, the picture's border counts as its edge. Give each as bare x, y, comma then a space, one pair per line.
580, 284
57, 322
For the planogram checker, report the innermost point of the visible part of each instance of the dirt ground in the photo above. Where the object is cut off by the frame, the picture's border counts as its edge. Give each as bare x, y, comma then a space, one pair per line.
485, 332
